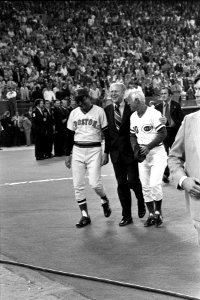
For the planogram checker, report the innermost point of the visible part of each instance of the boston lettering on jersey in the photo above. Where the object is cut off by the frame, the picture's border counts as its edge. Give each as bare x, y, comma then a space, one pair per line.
89, 122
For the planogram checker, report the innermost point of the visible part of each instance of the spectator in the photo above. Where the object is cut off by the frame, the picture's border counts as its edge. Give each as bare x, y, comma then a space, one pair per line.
156, 82
176, 90
24, 91
95, 94
36, 93
49, 130
27, 125
11, 97
8, 129
39, 124
49, 94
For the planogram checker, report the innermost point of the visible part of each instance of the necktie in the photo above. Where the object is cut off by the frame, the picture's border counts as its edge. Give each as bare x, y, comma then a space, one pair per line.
117, 116
167, 114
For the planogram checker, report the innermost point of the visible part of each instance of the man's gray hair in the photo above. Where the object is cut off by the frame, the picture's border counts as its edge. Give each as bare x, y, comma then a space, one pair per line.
137, 94
123, 87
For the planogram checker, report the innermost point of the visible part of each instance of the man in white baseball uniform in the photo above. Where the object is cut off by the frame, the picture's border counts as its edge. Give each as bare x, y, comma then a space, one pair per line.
84, 151
147, 133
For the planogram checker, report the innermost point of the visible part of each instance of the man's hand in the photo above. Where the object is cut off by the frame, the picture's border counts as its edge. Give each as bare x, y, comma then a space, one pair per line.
105, 159
163, 120
144, 150
192, 186
68, 160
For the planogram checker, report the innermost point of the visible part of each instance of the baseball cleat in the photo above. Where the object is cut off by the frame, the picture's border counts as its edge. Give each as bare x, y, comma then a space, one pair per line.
106, 209
84, 221
149, 222
158, 220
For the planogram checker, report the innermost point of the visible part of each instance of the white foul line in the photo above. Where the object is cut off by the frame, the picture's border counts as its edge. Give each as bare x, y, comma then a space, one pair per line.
42, 180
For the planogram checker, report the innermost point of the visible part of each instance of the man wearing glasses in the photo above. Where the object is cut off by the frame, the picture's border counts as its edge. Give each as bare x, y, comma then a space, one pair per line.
174, 115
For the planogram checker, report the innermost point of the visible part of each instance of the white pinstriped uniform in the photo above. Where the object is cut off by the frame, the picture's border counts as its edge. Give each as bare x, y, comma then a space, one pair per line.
87, 149
152, 168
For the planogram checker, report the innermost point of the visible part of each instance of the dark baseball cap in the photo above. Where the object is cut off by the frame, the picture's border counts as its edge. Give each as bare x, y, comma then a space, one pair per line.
80, 94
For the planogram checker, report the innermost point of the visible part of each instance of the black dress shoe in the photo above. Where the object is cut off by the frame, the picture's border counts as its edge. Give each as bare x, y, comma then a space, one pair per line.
141, 212
125, 221
49, 155
39, 158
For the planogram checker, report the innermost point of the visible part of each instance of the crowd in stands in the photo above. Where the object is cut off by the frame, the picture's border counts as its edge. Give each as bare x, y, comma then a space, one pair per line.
50, 48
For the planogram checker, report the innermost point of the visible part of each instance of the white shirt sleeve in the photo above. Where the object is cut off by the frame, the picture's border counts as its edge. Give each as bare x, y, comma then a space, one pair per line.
103, 120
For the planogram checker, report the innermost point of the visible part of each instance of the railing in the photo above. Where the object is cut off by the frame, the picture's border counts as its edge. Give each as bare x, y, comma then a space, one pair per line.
23, 106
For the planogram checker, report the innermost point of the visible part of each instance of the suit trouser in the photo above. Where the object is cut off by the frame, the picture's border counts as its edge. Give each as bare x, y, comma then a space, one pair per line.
127, 176
151, 172
59, 139
87, 160
168, 141
49, 142
39, 144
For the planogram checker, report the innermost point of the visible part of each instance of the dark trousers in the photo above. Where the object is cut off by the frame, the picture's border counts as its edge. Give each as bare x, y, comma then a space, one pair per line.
39, 145
168, 141
127, 176
59, 140
48, 143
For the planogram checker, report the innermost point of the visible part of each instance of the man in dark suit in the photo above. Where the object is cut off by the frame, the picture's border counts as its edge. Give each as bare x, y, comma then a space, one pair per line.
49, 130
174, 115
121, 153
39, 124
61, 115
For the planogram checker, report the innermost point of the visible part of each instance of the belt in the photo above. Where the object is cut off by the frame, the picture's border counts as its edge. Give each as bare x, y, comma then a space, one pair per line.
87, 145
155, 147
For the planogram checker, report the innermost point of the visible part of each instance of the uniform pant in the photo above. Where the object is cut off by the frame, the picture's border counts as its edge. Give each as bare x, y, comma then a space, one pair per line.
151, 173
87, 160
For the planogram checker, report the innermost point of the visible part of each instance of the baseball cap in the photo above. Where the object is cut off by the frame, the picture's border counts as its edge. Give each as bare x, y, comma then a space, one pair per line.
80, 94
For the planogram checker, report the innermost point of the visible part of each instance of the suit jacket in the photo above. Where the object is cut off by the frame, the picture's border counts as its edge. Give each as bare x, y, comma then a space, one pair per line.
176, 112
120, 140
184, 158
39, 122
59, 115
49, 120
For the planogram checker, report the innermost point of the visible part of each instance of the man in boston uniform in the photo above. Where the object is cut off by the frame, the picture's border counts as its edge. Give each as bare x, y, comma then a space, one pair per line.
84, 151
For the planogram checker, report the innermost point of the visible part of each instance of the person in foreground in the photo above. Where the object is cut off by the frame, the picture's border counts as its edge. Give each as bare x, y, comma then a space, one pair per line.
84, 136
184, 160
147, 133
125, 167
